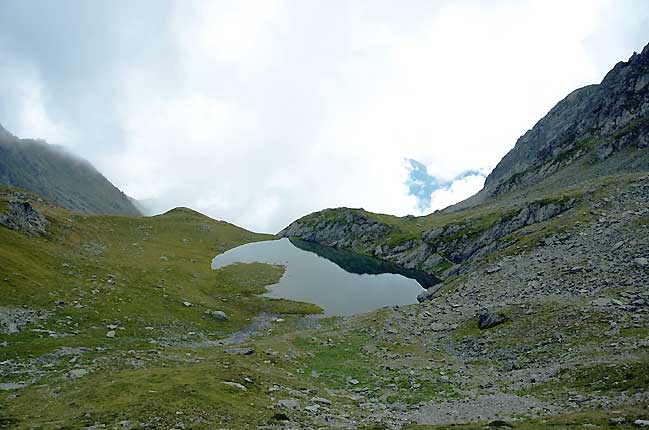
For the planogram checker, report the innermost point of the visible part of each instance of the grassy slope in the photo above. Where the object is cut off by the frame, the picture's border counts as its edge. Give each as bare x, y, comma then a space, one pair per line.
106, 269
150, 374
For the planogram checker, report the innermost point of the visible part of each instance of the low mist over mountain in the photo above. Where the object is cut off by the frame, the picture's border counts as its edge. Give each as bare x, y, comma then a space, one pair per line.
63, 178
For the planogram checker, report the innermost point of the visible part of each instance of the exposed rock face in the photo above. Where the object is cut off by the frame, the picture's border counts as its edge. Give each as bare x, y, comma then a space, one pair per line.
429, 293
441, 251
597, 120
22, 217
13, 320
342, 230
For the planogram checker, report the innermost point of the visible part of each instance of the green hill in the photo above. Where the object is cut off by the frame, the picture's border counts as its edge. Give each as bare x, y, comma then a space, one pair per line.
145, 279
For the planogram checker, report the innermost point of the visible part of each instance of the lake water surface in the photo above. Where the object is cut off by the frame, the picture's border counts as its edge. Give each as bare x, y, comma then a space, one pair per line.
340, 282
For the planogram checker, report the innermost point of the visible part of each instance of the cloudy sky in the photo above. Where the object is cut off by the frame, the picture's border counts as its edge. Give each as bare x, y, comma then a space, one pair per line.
259, 112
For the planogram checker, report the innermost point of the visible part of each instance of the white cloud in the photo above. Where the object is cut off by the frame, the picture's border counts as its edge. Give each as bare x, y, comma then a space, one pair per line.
459, 190
243, 36
22, 89
259, 112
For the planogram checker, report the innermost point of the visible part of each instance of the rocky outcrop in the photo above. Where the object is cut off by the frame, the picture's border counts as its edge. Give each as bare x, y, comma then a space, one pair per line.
22, 217
442, 251
341, 228
459, 243
429, 293
13, 320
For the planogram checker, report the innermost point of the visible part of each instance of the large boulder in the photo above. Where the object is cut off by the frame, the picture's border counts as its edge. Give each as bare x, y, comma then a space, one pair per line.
488, 319
22, 217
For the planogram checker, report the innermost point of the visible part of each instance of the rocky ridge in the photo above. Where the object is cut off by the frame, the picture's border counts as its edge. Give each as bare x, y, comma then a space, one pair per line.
443, 251
591, 124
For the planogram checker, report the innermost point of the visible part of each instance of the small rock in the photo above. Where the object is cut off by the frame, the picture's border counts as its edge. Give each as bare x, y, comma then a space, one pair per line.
240, 351
288, 404
187, 304
280, 416
312, 408
493, 269
77, 373
9, 386
437, 326
641, 262
111, 334
602, 302
235, 385
641, 423
218, 315
353, 381
321, 400
500, 423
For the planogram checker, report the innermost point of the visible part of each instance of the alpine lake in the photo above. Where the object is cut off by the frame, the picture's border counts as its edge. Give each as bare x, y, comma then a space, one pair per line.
338, 281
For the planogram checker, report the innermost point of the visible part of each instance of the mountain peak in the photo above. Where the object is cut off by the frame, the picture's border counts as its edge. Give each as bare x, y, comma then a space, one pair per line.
590, 133
4, 133
63, 178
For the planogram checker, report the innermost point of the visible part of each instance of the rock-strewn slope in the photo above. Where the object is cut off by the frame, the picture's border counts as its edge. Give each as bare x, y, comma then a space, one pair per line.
444, 249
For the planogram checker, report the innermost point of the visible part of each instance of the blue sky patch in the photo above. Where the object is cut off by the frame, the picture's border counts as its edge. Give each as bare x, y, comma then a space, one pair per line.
421, 184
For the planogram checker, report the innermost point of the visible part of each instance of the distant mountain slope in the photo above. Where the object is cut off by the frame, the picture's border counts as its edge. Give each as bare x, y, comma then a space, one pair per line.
595, 131
64, 179
592, 144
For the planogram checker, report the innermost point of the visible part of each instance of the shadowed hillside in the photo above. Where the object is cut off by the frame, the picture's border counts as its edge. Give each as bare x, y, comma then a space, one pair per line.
49, 171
